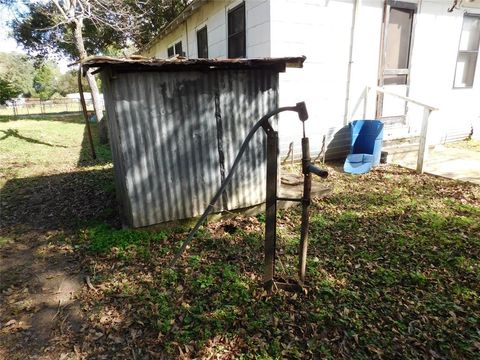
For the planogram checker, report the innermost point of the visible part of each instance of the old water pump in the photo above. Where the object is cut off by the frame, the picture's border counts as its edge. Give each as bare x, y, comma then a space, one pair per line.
269, 280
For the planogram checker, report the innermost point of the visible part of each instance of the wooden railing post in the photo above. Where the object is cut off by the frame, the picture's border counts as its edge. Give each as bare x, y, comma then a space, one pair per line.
427, 110
423, 146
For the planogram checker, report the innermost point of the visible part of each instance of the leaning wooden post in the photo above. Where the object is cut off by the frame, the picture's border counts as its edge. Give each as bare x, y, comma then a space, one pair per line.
85, 113
423, 146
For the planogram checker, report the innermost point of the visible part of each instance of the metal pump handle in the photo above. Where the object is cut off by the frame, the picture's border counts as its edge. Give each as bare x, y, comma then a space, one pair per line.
317, 171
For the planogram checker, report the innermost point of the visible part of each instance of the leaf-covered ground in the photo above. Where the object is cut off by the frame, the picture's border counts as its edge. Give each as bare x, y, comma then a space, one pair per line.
393, 272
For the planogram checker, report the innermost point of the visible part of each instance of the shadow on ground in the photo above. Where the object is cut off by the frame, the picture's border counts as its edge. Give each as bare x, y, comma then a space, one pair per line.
102, 152
388, 277
15, 133
389, 263
58, 202
40, 270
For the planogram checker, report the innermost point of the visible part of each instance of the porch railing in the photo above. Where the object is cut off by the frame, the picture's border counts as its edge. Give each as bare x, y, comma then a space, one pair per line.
427, 110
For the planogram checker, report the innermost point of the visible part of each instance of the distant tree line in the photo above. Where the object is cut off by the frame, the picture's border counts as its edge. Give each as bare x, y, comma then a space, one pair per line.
20, 75
79, 28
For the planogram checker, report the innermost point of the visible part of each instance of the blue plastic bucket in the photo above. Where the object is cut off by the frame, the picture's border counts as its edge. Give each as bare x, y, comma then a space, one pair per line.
366, 146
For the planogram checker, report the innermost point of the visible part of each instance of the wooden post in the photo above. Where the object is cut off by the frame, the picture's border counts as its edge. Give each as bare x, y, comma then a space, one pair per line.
423, 146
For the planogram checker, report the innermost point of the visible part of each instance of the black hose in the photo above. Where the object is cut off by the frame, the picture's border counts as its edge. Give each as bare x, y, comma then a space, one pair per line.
299, 108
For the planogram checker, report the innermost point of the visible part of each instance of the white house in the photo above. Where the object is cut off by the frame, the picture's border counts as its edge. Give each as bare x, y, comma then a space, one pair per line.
415, 48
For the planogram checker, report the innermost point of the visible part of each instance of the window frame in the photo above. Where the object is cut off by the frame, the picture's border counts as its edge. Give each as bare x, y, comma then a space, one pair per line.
461, 52
173, 46
181, 52
244, 31
203, 28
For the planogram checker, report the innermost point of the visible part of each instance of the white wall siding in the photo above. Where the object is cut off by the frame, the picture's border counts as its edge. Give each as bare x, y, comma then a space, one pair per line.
214, 15
433, 69
321, 30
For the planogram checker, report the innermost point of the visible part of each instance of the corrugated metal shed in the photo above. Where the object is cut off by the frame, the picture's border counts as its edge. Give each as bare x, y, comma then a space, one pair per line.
176, 126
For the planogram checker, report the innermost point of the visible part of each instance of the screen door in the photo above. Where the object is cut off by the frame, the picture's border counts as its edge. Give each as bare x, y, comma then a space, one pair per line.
394, 69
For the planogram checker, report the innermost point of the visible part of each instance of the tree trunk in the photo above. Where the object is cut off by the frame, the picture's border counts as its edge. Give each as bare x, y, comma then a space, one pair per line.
97, 106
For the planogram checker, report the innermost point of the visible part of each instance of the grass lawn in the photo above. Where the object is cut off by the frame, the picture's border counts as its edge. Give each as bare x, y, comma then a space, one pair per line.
44, 145
393, 267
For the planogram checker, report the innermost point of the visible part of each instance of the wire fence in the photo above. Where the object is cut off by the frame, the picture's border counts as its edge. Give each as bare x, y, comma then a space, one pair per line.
39, 107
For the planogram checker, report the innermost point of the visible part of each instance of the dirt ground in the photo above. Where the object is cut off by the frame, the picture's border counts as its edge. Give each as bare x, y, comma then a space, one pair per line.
49, 188
40, 273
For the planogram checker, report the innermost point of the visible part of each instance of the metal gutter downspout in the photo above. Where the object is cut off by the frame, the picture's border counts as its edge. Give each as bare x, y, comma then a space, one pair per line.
186, 36
356, 10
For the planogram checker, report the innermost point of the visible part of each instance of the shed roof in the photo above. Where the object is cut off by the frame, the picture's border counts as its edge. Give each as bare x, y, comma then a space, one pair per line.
139, 63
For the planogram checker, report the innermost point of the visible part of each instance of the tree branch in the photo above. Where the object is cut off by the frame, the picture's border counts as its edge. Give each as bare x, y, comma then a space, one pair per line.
57, 4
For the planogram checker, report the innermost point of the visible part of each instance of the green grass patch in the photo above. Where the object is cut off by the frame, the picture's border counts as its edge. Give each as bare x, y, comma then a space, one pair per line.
103, 238
4, 241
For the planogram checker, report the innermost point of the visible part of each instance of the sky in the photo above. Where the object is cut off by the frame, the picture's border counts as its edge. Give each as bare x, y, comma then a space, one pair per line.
8, 44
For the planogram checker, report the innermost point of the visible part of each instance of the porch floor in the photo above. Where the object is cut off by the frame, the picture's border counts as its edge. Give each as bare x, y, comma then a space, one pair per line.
460, 160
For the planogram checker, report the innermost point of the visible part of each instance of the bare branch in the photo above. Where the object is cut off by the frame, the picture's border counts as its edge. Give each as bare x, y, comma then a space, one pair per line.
48, 28
60, 9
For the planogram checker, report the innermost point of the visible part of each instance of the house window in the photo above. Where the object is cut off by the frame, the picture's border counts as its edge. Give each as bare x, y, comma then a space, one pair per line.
202, 43
178, 48
175, 50
236, 32
467, 52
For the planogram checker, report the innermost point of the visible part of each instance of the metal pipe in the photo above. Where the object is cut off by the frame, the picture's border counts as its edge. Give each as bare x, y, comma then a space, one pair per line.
186, 37
356, 9
307, 187
289, 199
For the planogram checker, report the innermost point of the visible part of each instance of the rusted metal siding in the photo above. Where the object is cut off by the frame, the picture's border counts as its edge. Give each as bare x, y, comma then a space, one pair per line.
169, 131
117, 155
181, 63
245, 97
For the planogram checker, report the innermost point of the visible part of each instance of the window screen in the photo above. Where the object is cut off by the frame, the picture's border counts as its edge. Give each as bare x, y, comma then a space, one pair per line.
398, 40
467, 52
236, 32
399, 34
202, 43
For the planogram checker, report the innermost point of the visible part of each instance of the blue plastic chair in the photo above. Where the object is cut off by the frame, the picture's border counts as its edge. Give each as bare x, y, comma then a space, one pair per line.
367, 138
